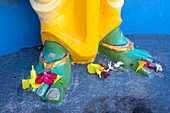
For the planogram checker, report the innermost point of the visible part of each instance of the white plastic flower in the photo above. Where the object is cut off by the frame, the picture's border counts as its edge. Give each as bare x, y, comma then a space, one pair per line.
158, 67
116, 67
110, 67
118, 64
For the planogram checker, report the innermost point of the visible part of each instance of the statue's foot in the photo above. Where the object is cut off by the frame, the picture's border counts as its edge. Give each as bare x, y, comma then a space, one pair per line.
119, 48
129, 58
53, 73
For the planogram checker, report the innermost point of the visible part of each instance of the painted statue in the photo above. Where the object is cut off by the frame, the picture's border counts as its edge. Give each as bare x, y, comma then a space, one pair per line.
73, 32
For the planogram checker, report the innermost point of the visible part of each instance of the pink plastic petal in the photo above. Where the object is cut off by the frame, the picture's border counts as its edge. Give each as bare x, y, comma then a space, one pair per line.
39, 80
52, 75
48, 73
40, 75
48, 81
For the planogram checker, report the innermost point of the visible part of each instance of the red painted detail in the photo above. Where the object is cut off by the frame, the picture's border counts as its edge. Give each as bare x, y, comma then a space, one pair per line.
131, 64
64, 88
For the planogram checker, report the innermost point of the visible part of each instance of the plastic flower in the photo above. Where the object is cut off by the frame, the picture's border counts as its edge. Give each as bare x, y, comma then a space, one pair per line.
141, 64
118, 64
98, 69
95, 68
158, 67
144, 62
110, 67
116, 67
30, 82
148, 64
47, 77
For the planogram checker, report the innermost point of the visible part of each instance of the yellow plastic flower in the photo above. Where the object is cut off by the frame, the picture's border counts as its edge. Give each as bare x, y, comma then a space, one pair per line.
31, 81
141, 65
95, 68
58, 79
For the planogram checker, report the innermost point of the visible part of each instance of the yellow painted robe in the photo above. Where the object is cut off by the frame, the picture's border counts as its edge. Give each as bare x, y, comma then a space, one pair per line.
78, 25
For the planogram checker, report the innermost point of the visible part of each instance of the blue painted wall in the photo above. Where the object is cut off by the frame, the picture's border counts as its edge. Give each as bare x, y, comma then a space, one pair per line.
146, 17
19, 25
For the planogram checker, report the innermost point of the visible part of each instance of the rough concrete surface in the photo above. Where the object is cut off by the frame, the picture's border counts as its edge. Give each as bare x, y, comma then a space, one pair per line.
120, 93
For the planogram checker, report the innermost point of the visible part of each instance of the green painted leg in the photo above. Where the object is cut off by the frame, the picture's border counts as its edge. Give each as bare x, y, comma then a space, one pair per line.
129, 57
53, 59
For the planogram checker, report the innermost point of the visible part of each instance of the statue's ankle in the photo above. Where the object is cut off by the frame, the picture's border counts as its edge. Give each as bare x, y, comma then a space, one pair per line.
115, 37
53, 51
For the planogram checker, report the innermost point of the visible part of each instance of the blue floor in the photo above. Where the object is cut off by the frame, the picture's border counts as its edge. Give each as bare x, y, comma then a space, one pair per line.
119, 93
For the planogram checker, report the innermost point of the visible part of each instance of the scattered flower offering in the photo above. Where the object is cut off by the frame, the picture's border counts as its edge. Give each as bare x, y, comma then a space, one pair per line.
158, 67
144, 62
141, 64
116, 66
30, 82
36, 80
97, 69
100, 69
46, 77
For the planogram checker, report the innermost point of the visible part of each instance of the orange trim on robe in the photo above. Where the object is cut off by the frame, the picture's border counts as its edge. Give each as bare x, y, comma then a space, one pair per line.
78, 25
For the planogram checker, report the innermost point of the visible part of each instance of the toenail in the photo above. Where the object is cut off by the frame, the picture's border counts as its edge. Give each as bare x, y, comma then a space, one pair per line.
53, 94
41, 91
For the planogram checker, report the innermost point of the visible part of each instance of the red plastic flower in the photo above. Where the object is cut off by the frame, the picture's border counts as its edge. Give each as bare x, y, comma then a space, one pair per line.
106, 74
46, 77
149, 64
